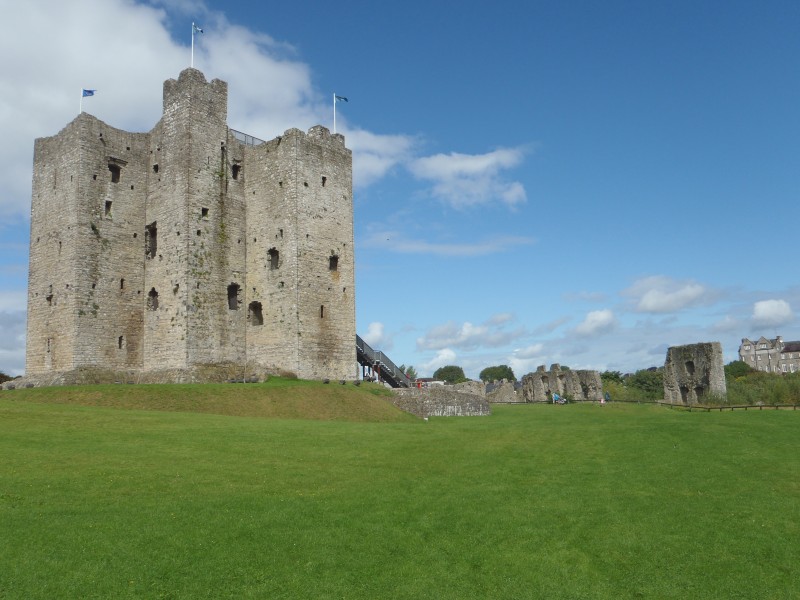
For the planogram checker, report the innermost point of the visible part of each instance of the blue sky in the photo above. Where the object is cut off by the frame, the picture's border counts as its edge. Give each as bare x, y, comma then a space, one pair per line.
576, 182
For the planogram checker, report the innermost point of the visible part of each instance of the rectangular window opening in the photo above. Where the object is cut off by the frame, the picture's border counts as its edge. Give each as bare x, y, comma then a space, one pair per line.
333, 263
115, 172
254, 314
204, 213
151, 240
235, 170
108, 209
233, 296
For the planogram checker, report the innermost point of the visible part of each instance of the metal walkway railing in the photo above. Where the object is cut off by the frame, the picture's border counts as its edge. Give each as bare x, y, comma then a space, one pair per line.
377, 361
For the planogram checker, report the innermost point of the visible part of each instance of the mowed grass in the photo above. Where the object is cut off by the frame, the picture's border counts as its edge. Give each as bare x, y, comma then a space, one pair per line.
536, 501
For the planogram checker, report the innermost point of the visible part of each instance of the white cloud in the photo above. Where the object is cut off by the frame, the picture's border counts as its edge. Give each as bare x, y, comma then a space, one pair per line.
376, 155
660, 294
464, 180
772, 313
398, 242
596, 322
443, 357
377, 337
468, 336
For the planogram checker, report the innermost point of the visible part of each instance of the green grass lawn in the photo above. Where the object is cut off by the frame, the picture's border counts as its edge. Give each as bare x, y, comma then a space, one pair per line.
535, 501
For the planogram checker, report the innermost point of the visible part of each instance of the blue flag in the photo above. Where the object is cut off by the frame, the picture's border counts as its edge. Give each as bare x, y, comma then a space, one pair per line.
197, 29
88, 93
342, 99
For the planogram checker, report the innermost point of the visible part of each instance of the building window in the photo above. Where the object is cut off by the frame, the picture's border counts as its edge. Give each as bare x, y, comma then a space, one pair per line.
233, 296
333, 263
204, 213
235, 170
115, 172
273, 258
151, 240
152, 299
747, 347
254, 315
108, 209
121, 342
322, 312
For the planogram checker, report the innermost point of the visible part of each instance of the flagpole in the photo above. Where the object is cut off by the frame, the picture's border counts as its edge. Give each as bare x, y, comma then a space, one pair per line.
80, 106
191, 64
334, 112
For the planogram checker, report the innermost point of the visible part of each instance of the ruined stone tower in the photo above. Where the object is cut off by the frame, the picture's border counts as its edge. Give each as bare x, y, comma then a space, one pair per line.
191, 245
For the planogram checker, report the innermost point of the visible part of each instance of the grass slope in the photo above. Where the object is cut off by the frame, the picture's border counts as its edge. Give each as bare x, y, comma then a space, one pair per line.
275, 398
536, 501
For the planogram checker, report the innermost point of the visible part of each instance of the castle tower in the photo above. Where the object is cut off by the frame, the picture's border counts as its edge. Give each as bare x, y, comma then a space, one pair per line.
185, 246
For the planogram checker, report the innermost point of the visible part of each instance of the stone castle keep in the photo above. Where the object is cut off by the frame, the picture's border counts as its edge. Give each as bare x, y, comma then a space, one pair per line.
191, 245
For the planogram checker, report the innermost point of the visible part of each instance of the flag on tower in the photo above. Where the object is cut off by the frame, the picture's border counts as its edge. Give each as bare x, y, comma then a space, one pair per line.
197, 29
85, 93
341, 98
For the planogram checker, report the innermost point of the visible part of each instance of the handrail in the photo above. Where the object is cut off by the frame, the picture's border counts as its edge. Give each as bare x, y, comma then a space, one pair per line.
246, 139
386, 367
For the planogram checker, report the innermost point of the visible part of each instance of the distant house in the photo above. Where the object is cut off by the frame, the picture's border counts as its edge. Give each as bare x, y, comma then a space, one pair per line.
772, 356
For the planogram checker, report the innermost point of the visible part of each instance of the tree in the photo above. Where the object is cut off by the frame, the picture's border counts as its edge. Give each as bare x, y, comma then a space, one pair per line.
450, 374
737, 368
410, 371
497, 373
611, 377
650, 382
4, 377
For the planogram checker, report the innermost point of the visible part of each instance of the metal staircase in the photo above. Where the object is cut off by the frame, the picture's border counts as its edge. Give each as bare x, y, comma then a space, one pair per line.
380, 365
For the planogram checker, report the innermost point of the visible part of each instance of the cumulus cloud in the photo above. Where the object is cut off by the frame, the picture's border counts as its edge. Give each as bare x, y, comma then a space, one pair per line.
772, 313
398, 242
660, 294
377, 337
464, 180
596, 323
443, 357
124, 50
467, 336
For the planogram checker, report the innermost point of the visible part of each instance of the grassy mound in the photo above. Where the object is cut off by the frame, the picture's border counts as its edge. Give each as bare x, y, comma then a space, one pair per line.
276, 398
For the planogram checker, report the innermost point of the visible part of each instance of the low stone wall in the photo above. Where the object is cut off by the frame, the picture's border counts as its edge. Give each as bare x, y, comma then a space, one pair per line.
442, 401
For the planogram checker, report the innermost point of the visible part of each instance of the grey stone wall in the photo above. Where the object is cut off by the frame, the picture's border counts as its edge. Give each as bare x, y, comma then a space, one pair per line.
694, 371
579, 385
154, 251
441, 401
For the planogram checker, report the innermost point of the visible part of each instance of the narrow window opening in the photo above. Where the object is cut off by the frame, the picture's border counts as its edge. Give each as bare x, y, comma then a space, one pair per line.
94, 285
235, 169
280, 232
115, 172
305, 184
198, 232
49, 340
254, 314
108, 208
121, 342
333, 263
324, 181
152, 299
59, 247
94, 177
322, 312
274, 258
122, 284
233, 296
204, 213
150, 240
175, 289
49, 299
155, 168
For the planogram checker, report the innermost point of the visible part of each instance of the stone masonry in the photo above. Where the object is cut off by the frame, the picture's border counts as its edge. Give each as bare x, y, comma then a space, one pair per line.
694, 371
185, 246
577, 385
